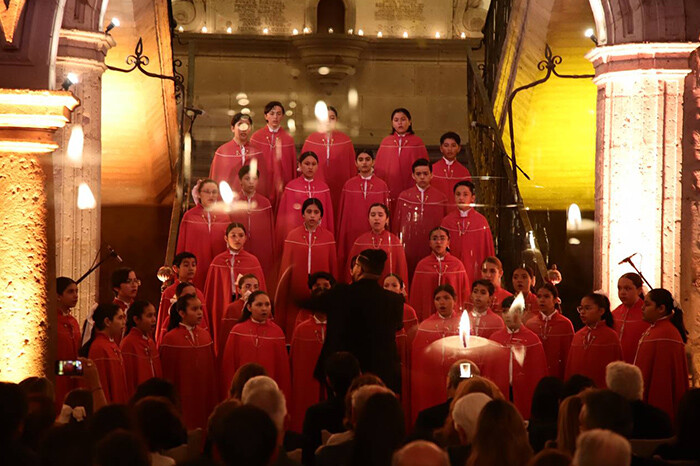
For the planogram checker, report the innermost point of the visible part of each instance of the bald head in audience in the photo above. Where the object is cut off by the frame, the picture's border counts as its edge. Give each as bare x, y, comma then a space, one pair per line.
420, 453
600, 447
465, 414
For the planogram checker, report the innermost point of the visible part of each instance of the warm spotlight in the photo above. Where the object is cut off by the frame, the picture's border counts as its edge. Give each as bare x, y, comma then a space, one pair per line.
70, 80
591, 35
112, 24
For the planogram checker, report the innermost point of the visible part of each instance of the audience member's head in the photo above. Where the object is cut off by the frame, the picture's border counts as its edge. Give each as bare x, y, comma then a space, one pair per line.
77, 407
500, 437
576, 384
247, 436
215, 423
605, 409
341, 369
262, 392
359, 381
121, 448
243, 375
380, 428
13, 410
156, 387
37, 387
454, 375
568, 425
600, 447
41, 409
546, 399
550, 457
420, 453
466, 413
360, 398
64, 445
108, 419
159, 424
687, 425
625, 379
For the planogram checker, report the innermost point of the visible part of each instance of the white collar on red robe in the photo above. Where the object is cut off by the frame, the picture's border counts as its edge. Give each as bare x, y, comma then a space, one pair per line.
445, 318
319, 321
257, 321
448, 162
273, 130
546, 317
367, 178
464, 213
421, 190
475, 313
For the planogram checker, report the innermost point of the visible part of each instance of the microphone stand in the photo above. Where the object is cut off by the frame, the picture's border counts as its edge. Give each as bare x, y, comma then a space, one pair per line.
96, 266
639, 272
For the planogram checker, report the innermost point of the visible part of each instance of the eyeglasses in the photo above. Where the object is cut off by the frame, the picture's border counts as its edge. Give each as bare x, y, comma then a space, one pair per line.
580, 309
133, 281
212, 192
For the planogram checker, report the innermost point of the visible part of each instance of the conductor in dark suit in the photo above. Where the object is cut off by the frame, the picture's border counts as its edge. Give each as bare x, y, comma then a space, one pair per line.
363, 319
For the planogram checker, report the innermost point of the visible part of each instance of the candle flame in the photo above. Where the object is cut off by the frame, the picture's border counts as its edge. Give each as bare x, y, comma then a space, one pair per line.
226, 192
464, 329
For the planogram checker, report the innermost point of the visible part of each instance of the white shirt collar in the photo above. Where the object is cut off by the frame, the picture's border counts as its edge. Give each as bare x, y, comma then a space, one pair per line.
421, 189
273, 130
476, 313
187, 326
448, 162
444, 318
318, 321
512, 331
464, 213
549, 317
367, 178
307, 179
257, 321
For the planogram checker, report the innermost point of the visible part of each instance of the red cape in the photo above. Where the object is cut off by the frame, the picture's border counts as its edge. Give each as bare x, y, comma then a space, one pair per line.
188, 362
531, 307
124, 306
527, 364
219, 287
257, 218
498, 296
591, 351
231, 316
167, 299
387, 242
68, 342
280, 155
260, 343
228, 160
336, 160
661, 357
394, 160
430, 273
470, 239
203, 239
302, 316
446, 176
306, 346
414, 219
141, 359
404, 344
289, 210
485, 325
304, 253
353, 210
556, 336
107, 357
629, 326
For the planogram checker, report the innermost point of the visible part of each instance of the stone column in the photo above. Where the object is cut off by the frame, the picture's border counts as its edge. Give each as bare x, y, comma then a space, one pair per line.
28, 120
78, 231
638, 161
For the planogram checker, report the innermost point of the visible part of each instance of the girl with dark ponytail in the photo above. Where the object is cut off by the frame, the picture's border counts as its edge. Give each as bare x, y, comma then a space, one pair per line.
661, 352
596, 344
141, 360
629, 324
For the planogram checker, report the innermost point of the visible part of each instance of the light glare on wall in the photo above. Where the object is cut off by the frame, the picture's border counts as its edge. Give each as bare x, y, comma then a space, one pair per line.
353, 97
321, 111
86, 200
75, 144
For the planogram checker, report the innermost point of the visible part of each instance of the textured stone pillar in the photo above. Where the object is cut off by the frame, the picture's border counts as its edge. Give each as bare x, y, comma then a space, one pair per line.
78, 231
28, 120
638, 161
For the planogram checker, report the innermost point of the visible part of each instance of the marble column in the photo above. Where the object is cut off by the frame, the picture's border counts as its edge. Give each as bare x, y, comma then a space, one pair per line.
28, 120
638, 161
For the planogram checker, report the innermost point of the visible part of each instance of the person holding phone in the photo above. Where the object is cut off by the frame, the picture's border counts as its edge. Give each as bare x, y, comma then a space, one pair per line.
68, 337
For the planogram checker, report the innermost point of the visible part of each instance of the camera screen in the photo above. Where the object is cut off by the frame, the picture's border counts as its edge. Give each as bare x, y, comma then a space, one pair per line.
69, 367
465, 370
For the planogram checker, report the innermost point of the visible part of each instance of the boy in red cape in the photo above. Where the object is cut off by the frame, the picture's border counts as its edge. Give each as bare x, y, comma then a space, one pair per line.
223, 272
483, 322
470, 232
397, 152
629, 322
439, 268
255, 212
187, 357
554, 330
358, 195
185, 267
257, 339
336, 156
447, 171
596, 345
419, 209
527, 362
125, 285
277, 146
492, 270
661, 352
244, 287
68, 337
139, 351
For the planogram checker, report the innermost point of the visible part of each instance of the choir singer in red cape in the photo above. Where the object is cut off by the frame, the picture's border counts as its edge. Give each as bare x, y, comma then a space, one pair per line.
277, 146
448, 171
68, 337
139, 351
629, 322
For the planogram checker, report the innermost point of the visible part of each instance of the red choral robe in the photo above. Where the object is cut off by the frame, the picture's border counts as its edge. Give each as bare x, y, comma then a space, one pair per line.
527, 364
306, 346
141, 359
336, 160
68, 342
498, 296
353, 210
470, 239
202, 233
257, 218
404, 344
124, 306
107, 357
387, 242
219, 289
629, 326
556, 334
415, 215
167, 299
289, 215
187, 357
279, 153
231, 316
432, 272
662, 360
446, 175
304, 253
427, 377
302, 316
395, 157
532, 306
261, 343
592, 349
484, 324
230, 157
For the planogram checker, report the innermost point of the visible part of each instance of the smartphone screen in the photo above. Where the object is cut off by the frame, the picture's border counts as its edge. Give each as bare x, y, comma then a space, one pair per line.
69, 367
465, 370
